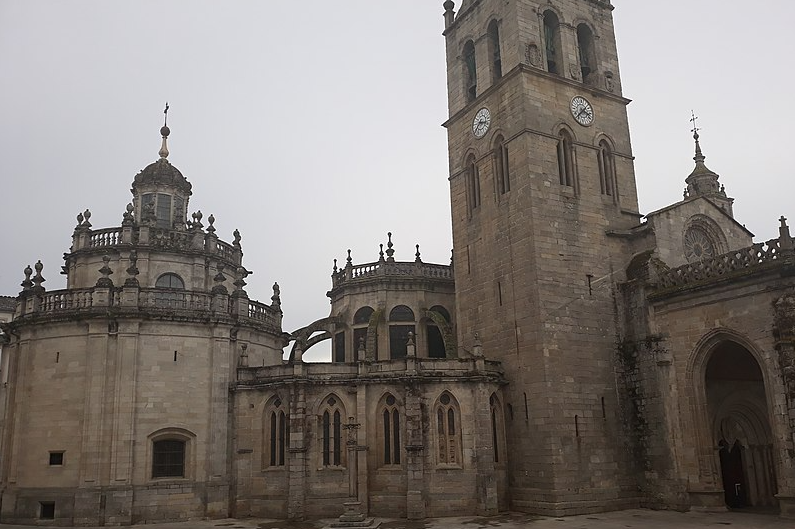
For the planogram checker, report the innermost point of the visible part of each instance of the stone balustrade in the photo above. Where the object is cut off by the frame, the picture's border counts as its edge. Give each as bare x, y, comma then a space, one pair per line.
757, 257
160, 238
420, 367
387, 269
150, 300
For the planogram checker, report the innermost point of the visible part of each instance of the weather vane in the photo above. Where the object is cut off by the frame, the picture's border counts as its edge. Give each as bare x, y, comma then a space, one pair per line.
693, 120
165, 117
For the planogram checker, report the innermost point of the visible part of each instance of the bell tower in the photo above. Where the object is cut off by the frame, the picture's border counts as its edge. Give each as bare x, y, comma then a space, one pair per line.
543, 196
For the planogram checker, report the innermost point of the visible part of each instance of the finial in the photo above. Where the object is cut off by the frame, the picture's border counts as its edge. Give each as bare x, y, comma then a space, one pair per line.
87, 215
38, 279
276, 298
219, 279
236, 235
783, 221
335, 266
164, 132
381, 253
452, 254
27, 284
80, 219
417, 255
349, 261
106, 271
132, 270
390, 252
211, 220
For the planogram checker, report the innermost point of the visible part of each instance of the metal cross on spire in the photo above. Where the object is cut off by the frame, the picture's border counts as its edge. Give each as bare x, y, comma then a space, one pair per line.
693, 120
165, 117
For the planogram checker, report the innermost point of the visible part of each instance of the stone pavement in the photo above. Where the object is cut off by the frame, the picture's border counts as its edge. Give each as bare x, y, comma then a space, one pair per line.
637, 518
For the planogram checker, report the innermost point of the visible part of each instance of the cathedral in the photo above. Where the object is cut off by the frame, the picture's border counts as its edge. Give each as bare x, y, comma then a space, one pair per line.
574, 356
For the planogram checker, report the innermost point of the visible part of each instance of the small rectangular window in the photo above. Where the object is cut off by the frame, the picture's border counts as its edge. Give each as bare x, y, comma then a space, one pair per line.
46, 510
56, 459
168, 459
163, 210
339, 347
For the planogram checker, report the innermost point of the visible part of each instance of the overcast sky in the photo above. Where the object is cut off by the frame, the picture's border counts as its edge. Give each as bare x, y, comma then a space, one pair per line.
314, 126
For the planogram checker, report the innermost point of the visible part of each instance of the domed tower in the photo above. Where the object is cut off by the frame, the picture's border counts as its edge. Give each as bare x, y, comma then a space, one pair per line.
118, 395
160, 192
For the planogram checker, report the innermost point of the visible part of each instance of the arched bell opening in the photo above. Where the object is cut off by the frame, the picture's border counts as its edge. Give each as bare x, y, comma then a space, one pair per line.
737, 404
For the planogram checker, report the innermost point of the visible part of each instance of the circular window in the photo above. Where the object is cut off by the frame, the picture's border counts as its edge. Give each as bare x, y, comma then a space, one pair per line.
698, 245
445, 399
390, 400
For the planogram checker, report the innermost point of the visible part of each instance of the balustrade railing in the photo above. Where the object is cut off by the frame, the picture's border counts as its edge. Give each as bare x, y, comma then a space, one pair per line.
150, 299
58, 300
105, 237
162, 238
751, 257
392, 269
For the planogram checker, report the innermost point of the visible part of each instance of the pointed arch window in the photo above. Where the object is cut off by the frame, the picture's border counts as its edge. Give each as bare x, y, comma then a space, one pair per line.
494, 48
497, 436
278, 434
472, 183
390, 431
585, 46
502, 167
566, 159
448, 431
470, 71
552, 42
607, 168
331, 432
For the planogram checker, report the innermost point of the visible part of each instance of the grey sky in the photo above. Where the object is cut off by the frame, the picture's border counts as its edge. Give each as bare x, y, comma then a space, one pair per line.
314, 126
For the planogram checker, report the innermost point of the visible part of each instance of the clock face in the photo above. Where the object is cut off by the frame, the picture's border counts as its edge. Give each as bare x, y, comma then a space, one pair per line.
481, 123
582, 111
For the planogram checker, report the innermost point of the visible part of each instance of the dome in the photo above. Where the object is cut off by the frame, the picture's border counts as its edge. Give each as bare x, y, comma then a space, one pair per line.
162, 172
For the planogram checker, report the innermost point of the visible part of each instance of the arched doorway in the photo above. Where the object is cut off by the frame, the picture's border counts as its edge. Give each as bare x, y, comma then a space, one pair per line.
737, 404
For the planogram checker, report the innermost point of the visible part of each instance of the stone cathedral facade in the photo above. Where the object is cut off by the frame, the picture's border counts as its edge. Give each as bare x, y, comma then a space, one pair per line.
575, 356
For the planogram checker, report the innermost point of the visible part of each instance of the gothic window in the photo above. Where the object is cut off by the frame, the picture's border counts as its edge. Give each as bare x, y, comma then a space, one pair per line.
552, 42
585, 46
399, 332
502, 169
169, 291
331, 432
607, 168
470, 71
436, 348
497, 437
698, 245
448, 431
168, 458
565, 159
494, 49
390, 431
472, 183
277, 434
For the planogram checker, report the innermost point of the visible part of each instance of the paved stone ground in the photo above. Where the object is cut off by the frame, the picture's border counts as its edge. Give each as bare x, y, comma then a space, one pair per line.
638, 519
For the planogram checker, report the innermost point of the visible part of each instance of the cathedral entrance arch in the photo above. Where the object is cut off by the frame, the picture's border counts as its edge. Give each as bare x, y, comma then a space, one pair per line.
737, 405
